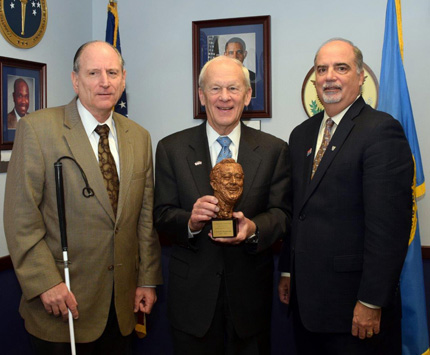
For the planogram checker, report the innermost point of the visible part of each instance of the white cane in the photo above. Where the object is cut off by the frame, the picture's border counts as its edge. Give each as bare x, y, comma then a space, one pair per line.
67, 278
87, 192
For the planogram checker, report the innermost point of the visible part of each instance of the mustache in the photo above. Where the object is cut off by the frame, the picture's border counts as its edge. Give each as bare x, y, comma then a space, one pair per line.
332, 86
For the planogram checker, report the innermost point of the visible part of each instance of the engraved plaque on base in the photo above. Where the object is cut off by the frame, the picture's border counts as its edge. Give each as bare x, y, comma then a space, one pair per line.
224, 228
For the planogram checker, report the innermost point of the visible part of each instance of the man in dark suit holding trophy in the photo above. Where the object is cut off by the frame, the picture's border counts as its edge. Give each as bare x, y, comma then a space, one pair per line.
220, 289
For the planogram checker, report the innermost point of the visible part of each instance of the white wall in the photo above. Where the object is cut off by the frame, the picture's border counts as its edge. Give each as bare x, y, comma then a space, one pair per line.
69, 25
156, 43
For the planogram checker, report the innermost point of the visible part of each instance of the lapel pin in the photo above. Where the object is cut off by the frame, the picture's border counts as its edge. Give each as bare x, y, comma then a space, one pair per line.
333, 148
309, 152
198, 163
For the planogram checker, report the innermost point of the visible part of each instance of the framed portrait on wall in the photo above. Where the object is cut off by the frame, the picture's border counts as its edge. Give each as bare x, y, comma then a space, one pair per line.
22, 91
246, 39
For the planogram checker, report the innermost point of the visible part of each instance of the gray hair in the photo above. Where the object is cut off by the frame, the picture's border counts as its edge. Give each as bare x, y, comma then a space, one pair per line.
77, 58
357, 52
202, 76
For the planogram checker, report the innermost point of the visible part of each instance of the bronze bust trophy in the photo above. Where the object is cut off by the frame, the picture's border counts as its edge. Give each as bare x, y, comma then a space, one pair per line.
227, 182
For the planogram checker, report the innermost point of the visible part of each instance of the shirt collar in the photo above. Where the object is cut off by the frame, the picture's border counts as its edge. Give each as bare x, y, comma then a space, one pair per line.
90, 123
18, 117
337, 118
213, 135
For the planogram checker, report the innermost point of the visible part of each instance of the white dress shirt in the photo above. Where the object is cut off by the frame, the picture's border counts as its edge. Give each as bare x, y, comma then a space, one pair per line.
90, 123
215, 147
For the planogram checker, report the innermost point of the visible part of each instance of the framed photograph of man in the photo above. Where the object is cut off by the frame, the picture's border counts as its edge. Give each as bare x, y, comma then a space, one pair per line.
246, 39
22, 90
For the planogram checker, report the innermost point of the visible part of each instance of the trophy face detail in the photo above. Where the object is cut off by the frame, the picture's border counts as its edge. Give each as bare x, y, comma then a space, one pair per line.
227, 182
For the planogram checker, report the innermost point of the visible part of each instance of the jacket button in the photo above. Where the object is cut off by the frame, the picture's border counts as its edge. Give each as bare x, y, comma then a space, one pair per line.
110, 267
302, 217
219, 273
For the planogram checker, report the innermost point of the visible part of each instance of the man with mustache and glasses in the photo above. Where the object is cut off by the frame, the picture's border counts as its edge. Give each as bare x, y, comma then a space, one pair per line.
220, 289
352, 202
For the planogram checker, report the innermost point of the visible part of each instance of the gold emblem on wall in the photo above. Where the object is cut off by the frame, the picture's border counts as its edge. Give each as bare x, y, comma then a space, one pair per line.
23, 22
312, 104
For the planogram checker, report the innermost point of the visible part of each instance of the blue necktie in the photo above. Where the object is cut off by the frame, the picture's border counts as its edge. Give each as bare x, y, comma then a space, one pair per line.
225, 150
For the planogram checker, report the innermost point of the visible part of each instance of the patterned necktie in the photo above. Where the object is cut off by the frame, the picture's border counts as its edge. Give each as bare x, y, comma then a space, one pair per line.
225, 150
107, 166
324, 144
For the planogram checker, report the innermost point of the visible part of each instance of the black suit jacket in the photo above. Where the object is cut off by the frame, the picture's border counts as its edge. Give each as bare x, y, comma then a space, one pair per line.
182, 176
352, 221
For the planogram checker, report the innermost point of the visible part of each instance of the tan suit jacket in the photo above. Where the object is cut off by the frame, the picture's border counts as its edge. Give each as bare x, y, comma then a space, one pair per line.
103, 252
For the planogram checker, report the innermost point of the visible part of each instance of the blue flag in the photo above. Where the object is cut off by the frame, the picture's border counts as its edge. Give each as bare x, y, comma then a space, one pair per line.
112, 37
394, 99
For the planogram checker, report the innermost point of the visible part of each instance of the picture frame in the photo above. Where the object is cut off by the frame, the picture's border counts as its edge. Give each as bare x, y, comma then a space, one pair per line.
211, 38
29, 78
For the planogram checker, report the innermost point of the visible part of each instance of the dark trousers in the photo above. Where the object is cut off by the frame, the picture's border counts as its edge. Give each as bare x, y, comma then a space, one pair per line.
221, 337
111, 342
387, 342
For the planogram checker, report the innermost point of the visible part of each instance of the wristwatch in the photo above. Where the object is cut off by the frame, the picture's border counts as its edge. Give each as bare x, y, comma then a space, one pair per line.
253, 238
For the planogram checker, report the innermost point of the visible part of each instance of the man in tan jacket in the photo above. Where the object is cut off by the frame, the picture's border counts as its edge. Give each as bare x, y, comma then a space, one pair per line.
114, 257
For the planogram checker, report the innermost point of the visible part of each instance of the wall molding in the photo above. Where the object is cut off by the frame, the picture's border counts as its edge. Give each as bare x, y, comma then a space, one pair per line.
5, 263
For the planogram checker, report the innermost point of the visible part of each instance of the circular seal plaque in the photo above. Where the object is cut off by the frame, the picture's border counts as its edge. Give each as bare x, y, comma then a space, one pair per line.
23, 22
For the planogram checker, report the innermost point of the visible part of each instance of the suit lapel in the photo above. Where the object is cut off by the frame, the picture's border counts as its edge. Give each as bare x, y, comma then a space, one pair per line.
341, 134
249, 160
199, 161
311, 146
82, 152
126, 158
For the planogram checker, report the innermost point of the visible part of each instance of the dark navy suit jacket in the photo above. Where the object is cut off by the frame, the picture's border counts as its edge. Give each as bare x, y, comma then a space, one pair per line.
352, 221
182, 176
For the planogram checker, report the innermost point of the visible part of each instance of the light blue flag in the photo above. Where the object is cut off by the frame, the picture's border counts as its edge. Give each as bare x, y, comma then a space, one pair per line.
394, 99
